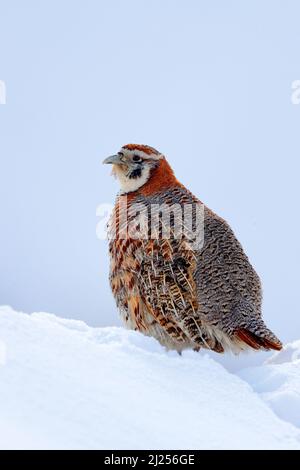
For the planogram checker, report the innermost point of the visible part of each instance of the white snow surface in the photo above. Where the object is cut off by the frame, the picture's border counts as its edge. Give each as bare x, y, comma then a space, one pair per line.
64, 385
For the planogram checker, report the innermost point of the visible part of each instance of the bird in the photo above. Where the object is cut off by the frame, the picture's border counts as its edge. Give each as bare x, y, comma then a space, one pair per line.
185, 294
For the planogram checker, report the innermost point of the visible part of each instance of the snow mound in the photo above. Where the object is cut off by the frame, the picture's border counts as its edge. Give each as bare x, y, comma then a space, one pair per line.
65, 385
290, 353
278, 382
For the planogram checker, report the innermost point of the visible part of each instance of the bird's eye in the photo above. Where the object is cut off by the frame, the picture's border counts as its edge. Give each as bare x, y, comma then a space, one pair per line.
136, 158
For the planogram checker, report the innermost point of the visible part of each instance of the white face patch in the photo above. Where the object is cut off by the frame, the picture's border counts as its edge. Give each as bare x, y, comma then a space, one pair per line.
135, 166
127, 184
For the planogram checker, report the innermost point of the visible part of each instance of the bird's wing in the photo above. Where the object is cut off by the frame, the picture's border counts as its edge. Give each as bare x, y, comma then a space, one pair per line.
155, 273
168, 289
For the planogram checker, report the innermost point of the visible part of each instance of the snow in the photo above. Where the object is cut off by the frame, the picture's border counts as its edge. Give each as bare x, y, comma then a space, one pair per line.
278, 382
66, 385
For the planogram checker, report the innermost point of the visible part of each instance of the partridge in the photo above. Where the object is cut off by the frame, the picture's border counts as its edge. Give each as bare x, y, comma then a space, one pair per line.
183, 279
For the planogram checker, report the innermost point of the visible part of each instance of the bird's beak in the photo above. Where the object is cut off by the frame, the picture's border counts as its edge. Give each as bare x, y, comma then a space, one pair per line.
113, 160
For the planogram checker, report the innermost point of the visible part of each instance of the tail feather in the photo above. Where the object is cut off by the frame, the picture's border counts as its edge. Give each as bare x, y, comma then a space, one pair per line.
266, 341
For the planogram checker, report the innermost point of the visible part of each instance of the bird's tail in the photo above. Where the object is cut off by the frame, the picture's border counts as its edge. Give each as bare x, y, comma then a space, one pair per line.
258, 337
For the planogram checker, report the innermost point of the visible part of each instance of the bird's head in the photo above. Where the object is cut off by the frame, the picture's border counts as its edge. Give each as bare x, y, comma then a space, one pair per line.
134, 165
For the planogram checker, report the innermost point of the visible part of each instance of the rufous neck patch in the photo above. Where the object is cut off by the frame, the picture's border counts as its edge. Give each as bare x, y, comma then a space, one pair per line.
162, 177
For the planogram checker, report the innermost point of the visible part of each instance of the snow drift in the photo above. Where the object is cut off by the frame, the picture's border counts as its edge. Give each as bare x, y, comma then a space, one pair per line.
66, 385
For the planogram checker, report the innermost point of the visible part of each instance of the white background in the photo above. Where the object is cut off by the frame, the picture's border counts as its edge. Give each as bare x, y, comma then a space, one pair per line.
207, 83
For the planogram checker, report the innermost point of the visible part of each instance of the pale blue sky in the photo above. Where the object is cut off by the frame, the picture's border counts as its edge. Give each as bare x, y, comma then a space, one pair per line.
206, 82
